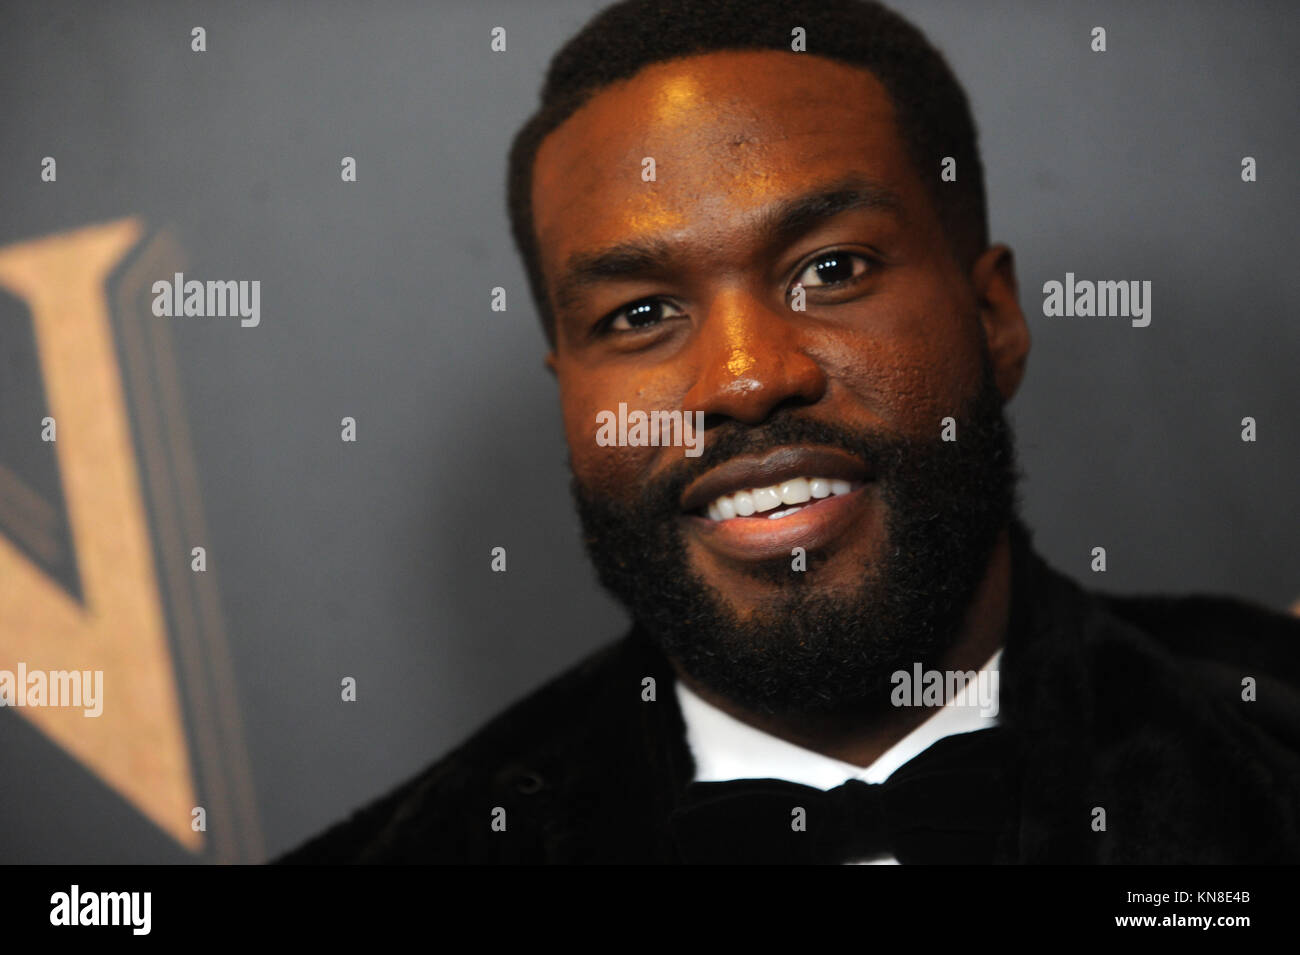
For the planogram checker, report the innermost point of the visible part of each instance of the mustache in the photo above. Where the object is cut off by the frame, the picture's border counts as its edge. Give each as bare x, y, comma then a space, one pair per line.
890, 455
880, 449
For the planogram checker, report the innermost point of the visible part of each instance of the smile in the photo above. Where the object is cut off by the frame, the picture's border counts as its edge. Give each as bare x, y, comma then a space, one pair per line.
761, 507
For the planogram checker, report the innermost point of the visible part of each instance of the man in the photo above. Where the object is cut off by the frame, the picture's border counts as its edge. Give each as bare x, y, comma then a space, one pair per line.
734, 211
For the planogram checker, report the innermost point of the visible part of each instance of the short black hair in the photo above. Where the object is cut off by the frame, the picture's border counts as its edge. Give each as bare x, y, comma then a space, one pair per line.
931, 108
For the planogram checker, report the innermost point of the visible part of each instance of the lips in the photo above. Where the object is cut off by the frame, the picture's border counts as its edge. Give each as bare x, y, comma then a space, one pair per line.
773, 532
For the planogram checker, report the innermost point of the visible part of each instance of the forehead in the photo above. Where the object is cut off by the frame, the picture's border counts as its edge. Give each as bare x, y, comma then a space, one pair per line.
729, 133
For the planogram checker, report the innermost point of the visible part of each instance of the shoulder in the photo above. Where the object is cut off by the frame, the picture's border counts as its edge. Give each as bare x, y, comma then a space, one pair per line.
1223, 650
1217, 631
1180, 715
445, 812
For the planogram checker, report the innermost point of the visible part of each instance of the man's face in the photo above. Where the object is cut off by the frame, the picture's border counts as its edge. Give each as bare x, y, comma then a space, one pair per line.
772, 172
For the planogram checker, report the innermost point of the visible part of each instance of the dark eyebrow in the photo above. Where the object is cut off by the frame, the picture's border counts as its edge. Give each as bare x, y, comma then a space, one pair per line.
795, 217
627, 260
779, 225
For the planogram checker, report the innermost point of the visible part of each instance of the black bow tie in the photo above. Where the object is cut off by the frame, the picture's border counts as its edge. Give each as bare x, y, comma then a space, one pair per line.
950, 804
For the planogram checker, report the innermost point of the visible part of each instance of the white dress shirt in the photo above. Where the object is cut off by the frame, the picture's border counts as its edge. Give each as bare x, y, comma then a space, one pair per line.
725, 748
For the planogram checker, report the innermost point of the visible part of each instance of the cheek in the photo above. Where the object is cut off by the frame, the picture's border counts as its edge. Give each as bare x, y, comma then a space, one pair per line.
610, 468
912, 366
588, 459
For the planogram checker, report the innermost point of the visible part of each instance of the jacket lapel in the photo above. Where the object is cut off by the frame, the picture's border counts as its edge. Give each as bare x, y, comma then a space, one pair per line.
1108, 720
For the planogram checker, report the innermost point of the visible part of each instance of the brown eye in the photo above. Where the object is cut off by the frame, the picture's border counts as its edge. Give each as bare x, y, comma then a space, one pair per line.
643, 314
832, 268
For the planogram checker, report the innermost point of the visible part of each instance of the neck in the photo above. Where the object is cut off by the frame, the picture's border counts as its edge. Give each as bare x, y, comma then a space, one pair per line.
862, 742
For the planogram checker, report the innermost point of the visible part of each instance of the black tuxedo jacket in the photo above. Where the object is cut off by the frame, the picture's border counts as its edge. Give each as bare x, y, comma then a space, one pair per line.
1134, 705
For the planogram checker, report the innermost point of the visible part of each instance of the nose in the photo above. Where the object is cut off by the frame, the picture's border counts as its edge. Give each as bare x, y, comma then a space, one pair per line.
751, 361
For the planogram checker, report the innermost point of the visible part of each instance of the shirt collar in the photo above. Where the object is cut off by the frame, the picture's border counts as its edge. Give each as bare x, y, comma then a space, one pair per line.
725, 748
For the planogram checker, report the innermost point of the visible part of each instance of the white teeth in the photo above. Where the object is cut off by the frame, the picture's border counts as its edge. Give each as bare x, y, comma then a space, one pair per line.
795, 492
759, 500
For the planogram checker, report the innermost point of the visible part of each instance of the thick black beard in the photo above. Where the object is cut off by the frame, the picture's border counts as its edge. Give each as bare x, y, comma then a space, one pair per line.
809, 653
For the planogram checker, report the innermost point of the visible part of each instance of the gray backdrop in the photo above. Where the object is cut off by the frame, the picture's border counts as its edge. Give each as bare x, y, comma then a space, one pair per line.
371, 560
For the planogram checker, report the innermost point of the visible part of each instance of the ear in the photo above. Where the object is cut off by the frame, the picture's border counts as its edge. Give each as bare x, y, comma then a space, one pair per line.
994, 279
550, 361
